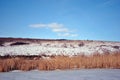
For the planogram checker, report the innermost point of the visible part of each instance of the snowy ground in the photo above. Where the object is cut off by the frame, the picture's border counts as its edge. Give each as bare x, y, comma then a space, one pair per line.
83, 74
57, 47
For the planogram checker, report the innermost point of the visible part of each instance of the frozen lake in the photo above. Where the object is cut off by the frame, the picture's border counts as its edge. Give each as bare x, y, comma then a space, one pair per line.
83, 74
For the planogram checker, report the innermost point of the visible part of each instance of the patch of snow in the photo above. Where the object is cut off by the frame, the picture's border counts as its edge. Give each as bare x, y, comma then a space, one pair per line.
57, 48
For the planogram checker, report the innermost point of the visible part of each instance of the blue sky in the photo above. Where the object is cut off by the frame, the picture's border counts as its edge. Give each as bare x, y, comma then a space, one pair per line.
61, 19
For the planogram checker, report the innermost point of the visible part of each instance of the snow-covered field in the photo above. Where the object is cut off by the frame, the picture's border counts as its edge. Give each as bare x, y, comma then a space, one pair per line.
59, 47
83, 74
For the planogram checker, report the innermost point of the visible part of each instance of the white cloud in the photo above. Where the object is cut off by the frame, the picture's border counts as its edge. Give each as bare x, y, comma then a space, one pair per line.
38, 25
67, 35
74, 35
55, 27
60, 30
108, 3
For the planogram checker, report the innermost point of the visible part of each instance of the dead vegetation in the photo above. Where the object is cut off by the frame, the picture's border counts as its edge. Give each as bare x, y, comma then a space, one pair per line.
1, 43
18, 43
106, 60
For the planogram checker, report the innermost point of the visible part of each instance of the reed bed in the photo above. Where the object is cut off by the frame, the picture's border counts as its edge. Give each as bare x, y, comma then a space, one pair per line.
96, 60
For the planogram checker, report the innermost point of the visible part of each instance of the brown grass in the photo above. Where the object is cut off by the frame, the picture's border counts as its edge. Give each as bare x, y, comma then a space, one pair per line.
61, 62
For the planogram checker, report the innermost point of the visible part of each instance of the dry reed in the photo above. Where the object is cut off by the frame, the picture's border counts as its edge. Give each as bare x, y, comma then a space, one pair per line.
61, 62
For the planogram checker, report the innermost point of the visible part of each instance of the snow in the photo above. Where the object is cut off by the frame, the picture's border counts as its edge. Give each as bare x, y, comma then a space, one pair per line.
83, 74
57, 48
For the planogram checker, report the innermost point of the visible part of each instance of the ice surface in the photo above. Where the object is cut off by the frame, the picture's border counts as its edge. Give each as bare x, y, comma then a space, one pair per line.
83, 74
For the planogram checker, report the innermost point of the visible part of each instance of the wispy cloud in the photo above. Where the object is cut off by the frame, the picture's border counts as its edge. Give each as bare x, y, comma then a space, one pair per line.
108, 3
55, 27
68, 35
37, 25
60, 29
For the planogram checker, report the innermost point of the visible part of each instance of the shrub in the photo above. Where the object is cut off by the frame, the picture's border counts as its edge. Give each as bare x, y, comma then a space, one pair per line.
18, 43
1, 43
116, 47
81, 44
